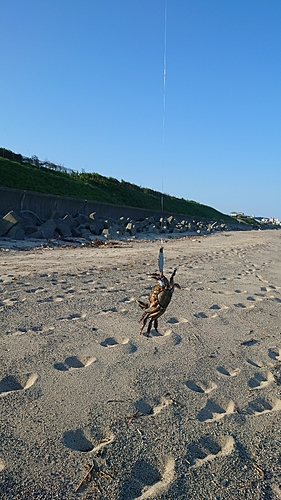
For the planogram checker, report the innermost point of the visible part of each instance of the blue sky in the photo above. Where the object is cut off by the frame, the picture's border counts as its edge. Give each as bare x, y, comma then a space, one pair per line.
82, 85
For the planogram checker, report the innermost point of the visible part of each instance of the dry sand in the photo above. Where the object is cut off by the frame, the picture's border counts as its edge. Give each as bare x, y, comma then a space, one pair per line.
191, 413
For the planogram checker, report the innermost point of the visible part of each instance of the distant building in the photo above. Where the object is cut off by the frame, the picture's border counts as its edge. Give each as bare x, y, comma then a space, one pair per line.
275, 221
237, 214
262, 220
268, 220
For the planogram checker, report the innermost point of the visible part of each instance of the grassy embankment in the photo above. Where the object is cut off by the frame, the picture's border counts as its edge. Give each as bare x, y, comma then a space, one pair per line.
96, 187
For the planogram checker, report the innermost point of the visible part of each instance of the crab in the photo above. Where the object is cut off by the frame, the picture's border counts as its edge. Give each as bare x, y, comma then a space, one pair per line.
159, 299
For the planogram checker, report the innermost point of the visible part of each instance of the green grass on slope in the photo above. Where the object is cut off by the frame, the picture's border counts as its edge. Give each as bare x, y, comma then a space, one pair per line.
43, 180
98, 188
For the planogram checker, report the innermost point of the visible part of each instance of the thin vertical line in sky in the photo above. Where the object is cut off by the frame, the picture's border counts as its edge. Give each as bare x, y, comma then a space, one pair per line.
164, 97
164, 70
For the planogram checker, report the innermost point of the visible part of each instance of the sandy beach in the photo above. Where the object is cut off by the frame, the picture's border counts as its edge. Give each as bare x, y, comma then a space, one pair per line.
91, 409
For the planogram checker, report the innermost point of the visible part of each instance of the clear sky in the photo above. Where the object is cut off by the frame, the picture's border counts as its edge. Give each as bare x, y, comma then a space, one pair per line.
82, 84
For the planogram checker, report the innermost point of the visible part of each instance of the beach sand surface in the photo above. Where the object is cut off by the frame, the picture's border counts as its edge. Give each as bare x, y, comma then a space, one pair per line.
91, 409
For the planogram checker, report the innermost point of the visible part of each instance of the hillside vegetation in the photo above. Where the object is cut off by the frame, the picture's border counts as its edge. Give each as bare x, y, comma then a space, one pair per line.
32, 175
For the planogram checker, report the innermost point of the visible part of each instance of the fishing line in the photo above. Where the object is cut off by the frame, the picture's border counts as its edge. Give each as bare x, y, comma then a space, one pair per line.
164, 104
164, 73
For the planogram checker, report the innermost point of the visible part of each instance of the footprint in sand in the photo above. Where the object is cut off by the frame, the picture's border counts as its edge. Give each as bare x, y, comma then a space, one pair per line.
173, 337
73, 317
77, 441
92, 440
249, 343
223, 292
146, 409
205, 315
218, 307
261, 278
113, 342
207, 449
58, 298
258, 381
257, 363
274, 353
223, 371
40, 289
107, 311
260, 296
12, 383
70, 291
100, 287
8, 302
40, 329
112, 289
276, 299
270, 288
201, 387
127, 300
47, 299
155, 334
240, 305
147, 481
177, 321
125, 343
253, 299
214, 412
73, 362
260, 406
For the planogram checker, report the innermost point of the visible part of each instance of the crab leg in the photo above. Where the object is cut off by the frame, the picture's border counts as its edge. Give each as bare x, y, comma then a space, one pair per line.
142, 304
143, 325
156, 325
149, 327
172, 277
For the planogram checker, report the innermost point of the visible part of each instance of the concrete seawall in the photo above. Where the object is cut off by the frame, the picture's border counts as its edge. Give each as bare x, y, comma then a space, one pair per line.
45, 205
